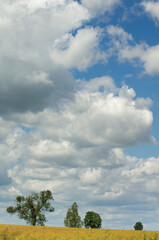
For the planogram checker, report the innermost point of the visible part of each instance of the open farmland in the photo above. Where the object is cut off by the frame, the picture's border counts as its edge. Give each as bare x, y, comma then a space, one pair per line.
17, 232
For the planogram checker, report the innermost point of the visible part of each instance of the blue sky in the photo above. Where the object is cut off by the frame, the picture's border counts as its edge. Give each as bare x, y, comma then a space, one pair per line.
79, 107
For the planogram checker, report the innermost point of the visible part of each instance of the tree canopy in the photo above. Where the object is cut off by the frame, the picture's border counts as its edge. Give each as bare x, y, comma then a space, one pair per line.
138, 226
32, 207
92, 220
72, 218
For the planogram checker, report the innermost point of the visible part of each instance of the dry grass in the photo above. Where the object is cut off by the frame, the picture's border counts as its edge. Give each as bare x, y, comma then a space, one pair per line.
17, 232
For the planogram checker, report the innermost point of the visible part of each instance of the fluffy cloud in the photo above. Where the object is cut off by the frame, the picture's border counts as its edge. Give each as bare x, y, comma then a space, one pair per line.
115, 32
151, 60
103, 84
80, 51
29, 79
92, 129
152, 7
97, 7
126, 49
35, 53
11, 150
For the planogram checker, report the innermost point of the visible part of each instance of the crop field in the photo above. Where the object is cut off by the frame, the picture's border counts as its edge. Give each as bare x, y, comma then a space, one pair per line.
17, 232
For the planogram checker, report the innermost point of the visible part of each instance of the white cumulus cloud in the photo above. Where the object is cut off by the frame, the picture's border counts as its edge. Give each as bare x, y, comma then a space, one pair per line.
126, 49
80, 51
97, 7
152, 7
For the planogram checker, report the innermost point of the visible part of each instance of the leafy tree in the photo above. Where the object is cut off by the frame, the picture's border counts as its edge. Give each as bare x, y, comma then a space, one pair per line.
32, 207
72, 218
92, 220
138, 226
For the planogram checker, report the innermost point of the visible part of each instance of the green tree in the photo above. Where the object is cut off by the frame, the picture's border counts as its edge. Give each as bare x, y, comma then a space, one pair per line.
32, 207
92, 220
72, 218
138, 226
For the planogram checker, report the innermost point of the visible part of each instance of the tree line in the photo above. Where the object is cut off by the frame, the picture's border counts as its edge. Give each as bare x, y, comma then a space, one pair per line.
72, 219
33, 207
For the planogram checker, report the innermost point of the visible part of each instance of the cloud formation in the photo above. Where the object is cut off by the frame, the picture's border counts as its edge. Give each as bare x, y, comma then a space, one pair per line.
90, 132
97, 7
80, 51
152, 8
127, 50
29, 80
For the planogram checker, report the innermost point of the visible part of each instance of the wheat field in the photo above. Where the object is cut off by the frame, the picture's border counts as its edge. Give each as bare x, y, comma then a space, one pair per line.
18, 232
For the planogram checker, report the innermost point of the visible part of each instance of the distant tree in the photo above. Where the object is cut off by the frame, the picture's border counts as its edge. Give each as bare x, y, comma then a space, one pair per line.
138, 226
32, 207
72, 218
92, 220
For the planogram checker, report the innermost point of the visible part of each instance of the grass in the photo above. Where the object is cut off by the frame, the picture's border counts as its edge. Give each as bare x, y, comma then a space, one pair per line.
17, 232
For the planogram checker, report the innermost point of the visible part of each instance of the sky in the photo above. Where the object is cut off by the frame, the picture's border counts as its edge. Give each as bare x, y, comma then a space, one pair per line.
79, 108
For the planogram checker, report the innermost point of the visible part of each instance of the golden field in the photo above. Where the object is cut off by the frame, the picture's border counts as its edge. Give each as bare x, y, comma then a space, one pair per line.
18, 232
